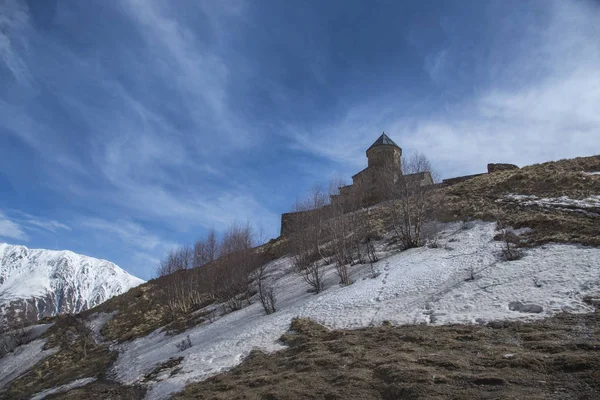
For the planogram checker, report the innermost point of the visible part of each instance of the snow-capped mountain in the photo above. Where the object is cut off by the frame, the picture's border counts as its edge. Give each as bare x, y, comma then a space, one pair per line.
38, 283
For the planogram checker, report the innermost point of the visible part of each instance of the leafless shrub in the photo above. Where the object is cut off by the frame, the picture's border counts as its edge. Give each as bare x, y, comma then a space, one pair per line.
374, 273
75, 335
362, 227
206, 250
181, 285
212, 316
409, 201
471, 272
184, 344
510, 252
311, 271
237, 264
308, 237
266, 290
339, 237
431, 234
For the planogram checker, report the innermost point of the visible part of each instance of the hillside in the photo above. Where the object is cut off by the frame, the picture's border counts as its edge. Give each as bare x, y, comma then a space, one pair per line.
403, 311
35, 283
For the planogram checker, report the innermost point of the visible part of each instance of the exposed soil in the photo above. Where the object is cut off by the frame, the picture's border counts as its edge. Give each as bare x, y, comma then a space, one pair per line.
100, 390
557, 358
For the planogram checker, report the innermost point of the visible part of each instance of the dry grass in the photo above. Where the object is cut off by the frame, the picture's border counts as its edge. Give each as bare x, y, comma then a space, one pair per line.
101, 390
138, 312
479, 198
68, 364
558, 358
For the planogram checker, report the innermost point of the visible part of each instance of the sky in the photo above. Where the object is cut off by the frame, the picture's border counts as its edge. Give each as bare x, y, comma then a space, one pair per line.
130, 127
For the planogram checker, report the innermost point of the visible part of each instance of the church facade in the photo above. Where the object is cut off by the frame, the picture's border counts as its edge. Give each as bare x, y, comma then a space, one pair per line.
384, 169
371, 185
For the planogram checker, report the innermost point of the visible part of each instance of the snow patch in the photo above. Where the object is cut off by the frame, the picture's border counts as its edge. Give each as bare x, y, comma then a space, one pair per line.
96, 322
591, 202
424, 285
63, 388
24, 357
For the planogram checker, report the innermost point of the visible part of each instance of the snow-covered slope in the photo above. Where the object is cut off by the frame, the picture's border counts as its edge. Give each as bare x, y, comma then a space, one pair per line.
39, 283
463, 281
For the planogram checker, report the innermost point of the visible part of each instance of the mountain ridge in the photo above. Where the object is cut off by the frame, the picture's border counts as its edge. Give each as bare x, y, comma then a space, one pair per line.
38, 283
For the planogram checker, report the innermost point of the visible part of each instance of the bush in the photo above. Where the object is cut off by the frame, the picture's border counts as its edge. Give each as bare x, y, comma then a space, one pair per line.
509, 239
184, 344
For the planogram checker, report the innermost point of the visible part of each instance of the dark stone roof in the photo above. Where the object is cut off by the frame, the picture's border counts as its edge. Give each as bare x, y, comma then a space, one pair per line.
382, 141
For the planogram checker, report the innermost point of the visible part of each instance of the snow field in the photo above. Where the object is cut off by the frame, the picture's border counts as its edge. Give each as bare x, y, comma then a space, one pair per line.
64, 388
424, 285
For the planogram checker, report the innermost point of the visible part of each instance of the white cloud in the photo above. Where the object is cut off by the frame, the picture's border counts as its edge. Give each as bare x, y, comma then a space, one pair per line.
15, 224
10, 229
128, 232
200, 73
542, 106
14, 24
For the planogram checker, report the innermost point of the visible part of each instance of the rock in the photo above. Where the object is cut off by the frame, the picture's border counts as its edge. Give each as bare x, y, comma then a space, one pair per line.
525, 308
532, 308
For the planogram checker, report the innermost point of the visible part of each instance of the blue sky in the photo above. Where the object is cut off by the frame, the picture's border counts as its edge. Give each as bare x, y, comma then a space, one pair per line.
128, 127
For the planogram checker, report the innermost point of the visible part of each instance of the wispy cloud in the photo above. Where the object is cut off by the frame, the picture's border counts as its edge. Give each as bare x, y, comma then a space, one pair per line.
33, 222
15, 224
14, 27
180, 116
541, 105
126, 231
199, 72
10, 229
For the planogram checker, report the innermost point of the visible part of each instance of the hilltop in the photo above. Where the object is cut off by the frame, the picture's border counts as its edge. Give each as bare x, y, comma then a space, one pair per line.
452, 318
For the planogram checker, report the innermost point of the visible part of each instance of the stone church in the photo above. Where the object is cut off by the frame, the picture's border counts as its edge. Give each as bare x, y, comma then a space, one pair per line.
384, 168
371, 185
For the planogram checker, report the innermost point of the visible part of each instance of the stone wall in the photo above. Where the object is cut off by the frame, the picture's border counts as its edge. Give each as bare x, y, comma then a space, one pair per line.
459, 179
495, 167
293, 220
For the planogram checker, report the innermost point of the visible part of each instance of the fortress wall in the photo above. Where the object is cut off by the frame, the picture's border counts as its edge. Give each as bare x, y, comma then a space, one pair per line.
293, 220
495, 167
459, 179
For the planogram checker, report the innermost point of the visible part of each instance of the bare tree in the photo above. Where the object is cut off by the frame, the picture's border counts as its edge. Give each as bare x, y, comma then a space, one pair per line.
408, 195
181, 285
509, 239
75, 335
307, 237
212, 246
206, 249
266, 289
237, 262
339, 234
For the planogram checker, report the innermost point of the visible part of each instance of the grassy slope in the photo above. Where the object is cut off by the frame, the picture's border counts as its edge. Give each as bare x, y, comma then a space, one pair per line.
557, 358
479, 198
141, 310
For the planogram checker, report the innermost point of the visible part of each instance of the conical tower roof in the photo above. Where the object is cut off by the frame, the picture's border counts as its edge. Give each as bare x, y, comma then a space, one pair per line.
383, 140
